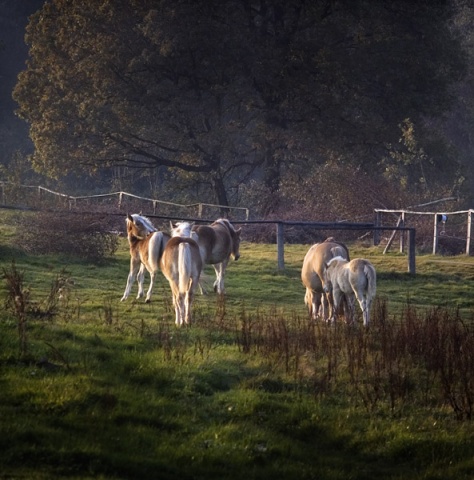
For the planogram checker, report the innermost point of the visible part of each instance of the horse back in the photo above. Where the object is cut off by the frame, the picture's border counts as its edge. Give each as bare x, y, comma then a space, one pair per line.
181, 262
150, 250
323, 252
214, 241
362, 272
170, 252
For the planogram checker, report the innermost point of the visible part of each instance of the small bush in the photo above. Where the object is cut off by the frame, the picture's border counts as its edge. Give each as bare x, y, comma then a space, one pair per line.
88, 236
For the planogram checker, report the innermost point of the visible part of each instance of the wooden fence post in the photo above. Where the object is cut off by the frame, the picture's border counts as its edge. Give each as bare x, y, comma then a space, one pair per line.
411, 251
402, 233
281, 245
469, 226
435, 234
376, 230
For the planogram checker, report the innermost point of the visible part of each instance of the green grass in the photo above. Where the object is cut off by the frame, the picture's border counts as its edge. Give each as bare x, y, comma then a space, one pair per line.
114, 390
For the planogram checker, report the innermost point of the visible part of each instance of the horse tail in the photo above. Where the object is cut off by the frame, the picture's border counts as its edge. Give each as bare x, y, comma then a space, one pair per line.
161, 245
184, 267
371, 276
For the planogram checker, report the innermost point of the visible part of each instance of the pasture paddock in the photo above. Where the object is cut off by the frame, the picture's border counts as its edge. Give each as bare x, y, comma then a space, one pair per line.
235, 396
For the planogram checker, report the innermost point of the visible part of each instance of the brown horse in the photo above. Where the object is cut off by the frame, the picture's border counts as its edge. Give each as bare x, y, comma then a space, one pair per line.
146, 249
181, 264
354, 279
217, 243
312, 274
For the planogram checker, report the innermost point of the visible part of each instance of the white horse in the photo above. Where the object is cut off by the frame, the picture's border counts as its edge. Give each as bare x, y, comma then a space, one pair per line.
312, 275
354, 279
217, 243
181, 264
146, 248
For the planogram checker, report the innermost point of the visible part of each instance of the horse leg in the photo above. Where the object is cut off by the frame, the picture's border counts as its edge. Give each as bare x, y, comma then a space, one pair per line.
327, 301
361, 298
134, 263
182, 313
337, 297
364, 306
188, 301
140, 280
349, 308
220, 271
318, 299
150, 288
368, 307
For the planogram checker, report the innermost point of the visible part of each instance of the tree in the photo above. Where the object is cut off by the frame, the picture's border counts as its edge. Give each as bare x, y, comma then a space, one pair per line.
223, 91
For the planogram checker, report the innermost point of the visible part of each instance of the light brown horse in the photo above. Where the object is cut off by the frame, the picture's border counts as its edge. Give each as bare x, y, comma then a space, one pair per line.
217, 243
146, 249
354, 279
312, 274
181, 264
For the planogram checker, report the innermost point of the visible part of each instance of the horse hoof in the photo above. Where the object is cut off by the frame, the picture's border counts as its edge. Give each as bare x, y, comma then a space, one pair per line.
148, 300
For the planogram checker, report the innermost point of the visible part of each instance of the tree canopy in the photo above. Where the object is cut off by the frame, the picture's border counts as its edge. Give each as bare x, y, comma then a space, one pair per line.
223, 91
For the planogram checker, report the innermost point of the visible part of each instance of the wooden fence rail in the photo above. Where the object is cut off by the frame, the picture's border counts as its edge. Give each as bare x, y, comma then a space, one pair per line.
121, 196
439, 217
280, 231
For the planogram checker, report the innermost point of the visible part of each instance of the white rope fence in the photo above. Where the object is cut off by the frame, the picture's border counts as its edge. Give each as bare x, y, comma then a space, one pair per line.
121, 197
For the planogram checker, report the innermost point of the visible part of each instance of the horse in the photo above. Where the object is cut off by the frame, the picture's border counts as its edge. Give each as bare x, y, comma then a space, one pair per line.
354, 279
181, 264
217, 243
146, 248
312, 274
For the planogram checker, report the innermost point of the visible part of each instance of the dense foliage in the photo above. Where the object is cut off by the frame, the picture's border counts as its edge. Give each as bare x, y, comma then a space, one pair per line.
217, 94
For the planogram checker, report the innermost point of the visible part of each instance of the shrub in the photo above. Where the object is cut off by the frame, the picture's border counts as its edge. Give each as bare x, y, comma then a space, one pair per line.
89, 236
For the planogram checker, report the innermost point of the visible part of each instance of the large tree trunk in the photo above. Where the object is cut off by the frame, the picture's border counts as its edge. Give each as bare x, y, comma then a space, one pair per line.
221, 194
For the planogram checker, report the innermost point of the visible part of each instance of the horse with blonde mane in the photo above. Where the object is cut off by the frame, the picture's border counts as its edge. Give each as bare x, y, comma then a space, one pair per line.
217, 243
181, 264
146, 248
312, 274
354, 279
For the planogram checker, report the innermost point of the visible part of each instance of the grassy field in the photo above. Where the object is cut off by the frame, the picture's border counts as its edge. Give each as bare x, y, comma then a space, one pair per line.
113, 390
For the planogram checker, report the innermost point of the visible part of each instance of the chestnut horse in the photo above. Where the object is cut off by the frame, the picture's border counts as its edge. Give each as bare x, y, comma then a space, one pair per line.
217, 243
354, 279
312, 274
181, 264
146, 249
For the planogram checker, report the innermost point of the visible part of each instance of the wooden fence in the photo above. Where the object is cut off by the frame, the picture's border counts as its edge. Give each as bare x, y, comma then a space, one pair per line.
439, 218
41, 196
281, 225
280, 230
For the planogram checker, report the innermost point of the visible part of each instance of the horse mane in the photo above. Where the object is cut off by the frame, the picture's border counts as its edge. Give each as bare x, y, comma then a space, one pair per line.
226, 223
145, 220
182, 227
338, 258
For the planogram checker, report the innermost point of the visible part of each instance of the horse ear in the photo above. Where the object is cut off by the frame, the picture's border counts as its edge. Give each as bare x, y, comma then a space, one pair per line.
129, 217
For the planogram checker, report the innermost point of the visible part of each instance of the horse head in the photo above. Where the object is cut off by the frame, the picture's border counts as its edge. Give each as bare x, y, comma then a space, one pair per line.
181, 229
234, 235
236, 243
138, 226
327, 275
